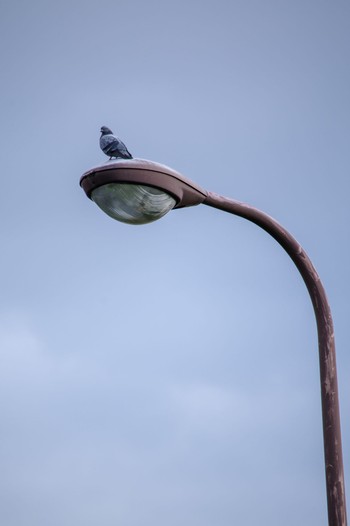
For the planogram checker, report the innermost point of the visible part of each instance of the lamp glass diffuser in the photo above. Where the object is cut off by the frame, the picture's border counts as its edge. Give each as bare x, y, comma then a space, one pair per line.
132, 203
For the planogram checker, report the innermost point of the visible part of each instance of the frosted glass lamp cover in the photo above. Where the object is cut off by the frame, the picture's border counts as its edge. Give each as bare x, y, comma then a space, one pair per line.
134, 204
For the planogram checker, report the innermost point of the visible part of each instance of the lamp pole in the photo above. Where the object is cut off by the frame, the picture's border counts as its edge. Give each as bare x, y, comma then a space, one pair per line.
104, 183
326, 345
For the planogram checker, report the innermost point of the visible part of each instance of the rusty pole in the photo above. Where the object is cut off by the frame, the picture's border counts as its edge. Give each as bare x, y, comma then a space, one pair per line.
328, 371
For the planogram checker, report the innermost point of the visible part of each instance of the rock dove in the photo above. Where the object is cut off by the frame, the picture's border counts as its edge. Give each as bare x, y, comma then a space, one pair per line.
112, 146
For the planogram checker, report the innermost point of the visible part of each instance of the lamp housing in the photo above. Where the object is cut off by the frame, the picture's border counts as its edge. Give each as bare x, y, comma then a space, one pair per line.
138, 191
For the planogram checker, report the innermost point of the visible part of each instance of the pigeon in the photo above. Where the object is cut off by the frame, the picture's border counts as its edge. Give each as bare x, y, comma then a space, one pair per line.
112, 146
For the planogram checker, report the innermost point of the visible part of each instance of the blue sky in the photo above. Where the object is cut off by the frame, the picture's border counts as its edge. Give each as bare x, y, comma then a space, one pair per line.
168, 373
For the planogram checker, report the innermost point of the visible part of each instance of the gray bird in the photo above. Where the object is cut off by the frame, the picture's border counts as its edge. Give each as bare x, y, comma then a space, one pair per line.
112, 146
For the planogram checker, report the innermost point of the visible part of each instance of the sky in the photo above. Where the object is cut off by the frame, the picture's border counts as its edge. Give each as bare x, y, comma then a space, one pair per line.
168, 373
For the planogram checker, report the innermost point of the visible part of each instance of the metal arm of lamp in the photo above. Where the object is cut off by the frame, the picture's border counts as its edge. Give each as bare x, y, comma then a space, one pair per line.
104, 183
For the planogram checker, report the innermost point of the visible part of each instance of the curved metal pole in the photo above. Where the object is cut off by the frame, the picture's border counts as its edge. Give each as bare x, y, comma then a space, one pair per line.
328, 371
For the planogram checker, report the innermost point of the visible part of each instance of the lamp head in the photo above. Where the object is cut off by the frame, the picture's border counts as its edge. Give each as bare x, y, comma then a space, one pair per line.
137, 191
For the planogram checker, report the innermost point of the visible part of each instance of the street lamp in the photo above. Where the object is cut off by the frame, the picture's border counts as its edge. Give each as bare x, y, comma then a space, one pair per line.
137, 191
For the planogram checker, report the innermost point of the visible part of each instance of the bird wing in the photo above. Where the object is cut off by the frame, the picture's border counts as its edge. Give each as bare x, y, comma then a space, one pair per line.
107, 140
122, 148
111, 144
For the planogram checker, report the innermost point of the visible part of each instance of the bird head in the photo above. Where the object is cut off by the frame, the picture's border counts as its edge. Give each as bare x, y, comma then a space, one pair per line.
104, 130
